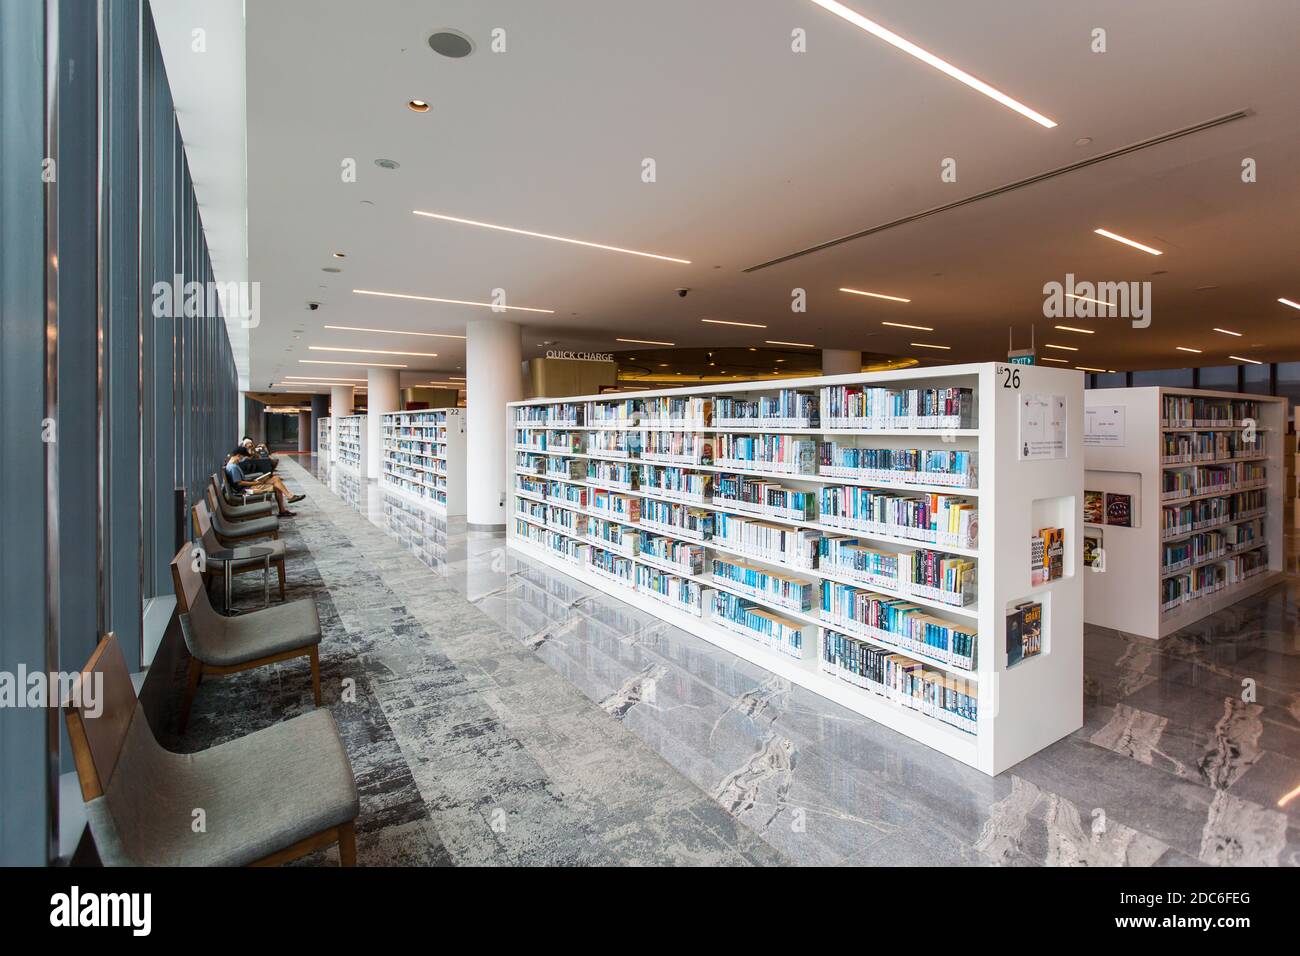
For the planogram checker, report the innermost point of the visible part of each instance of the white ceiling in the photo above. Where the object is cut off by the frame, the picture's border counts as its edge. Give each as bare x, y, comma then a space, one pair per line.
206, 74
760, 152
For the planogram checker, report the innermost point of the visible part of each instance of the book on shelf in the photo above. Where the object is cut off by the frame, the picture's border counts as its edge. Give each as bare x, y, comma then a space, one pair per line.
1094, 507
1047, 556
1119, 510
1024, 632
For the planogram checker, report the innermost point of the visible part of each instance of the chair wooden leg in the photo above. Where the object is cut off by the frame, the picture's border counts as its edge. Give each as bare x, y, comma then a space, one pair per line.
279, 567
347, 844
191, 687
315, 672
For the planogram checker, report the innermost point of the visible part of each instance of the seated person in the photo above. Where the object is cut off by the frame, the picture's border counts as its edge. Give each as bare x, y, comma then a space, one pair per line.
260, 460
234, 469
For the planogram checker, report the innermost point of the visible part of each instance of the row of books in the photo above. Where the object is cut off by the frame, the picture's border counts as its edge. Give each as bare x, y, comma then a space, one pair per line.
611, 565
1195, 480
626, 508
674, 590
677, 483
688, 448
796, 547
789, 408
898, 465
789, 592
936, 518
697, 523
614, 474
685, 411
612, 535
940, 577
762, 496
687, 557
1188, 411
620, 412
1203, 546
861, 406
783, 453
1211, 578
901, 679
616, 444
1179, 447
576, 495
571, 414
758, 623
1211, 512
898, 622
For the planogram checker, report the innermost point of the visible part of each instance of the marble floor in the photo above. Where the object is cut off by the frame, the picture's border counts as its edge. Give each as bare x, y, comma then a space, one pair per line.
498, 712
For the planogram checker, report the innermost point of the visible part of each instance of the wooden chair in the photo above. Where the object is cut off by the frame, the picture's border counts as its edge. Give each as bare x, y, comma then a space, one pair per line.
267, 798
212, 541
226, 645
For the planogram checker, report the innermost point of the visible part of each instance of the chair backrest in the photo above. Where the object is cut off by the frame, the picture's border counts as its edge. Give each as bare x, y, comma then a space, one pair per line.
187, 582
98, 711
203, 530
213, 507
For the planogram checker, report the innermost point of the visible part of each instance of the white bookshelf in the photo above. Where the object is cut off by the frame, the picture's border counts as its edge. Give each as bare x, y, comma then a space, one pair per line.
324, 427
423, 456
589, 498
1207, 505
351, 443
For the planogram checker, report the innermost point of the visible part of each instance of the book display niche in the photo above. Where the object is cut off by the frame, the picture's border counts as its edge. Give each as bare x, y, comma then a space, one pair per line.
424, 457
1184, 504
865, 536
350, 444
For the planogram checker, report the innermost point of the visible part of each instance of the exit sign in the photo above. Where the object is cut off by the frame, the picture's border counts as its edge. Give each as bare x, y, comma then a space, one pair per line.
1022, 357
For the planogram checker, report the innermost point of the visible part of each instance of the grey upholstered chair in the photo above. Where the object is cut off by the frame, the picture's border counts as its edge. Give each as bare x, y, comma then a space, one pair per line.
241, 531
267, 798
242, 511
226, 645
212, 541
233, 495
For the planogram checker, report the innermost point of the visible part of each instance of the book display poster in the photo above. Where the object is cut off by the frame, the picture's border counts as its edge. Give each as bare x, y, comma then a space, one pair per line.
1024, 632
1044, 427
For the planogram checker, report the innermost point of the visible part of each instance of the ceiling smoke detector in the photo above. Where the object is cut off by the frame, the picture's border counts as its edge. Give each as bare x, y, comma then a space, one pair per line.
451, 43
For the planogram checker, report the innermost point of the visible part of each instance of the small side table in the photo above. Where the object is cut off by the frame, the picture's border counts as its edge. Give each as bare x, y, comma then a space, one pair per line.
229, 557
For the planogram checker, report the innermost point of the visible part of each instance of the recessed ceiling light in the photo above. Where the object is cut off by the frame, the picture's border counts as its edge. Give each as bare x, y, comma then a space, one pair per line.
1048, 358
644, 342
335, 348
417, 106
1070, 328
1063, 348
1294, 305
457, 378
1240, 359
925, 56
747, 325
1228, 332
904, 325
332, 269
1184, 348
1087, 368
429, 298
1128, 242
663, 365
875, 295
360, 364
752, 349
357, 328
451, 43
799, 345
1205, 288
924, 345
340, 255
388, 164
543, 235
1083, 141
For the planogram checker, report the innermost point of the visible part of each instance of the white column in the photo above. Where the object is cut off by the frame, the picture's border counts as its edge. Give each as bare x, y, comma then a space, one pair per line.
382, 395
493, 377
340, 406
304, 431
841, 361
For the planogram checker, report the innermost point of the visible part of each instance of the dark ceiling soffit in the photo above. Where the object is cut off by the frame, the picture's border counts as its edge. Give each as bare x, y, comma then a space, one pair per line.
1018, 184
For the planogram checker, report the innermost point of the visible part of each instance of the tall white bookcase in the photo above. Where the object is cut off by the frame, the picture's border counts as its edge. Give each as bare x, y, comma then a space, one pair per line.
1203, 475
652, 497
324, 426
424, 456
351, 443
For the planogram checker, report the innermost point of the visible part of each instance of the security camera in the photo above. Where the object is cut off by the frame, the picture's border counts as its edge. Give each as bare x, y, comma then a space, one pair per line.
681, 293
313, 306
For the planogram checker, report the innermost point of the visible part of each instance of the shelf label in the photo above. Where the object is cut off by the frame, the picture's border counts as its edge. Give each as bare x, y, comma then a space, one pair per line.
1044, 427
1103, 426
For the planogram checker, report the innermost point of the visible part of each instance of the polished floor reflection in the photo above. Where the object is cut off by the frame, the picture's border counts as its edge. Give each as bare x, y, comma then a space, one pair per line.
512, 714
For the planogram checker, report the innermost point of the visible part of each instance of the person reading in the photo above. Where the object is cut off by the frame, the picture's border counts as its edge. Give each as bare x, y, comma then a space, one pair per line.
261, 485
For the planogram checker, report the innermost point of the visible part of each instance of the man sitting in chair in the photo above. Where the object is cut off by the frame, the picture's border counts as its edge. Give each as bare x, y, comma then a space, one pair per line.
259, 485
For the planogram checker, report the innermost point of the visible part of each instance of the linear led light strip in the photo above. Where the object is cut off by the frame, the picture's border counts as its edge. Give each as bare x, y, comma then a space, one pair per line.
747, 325
1070, 328
543, 235
798, 345
1228, 332
360, 364
326, 378
943, 66
876, 295
924, 345
430, 298
1184, 348
644, 342
904, 325
1242, 359
1072, 295
335, 348
355, 328
1128, 242
1063, 348
1294, 305
1088, 368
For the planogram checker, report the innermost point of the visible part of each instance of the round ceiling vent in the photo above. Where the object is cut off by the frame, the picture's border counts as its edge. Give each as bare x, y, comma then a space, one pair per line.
451, 43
